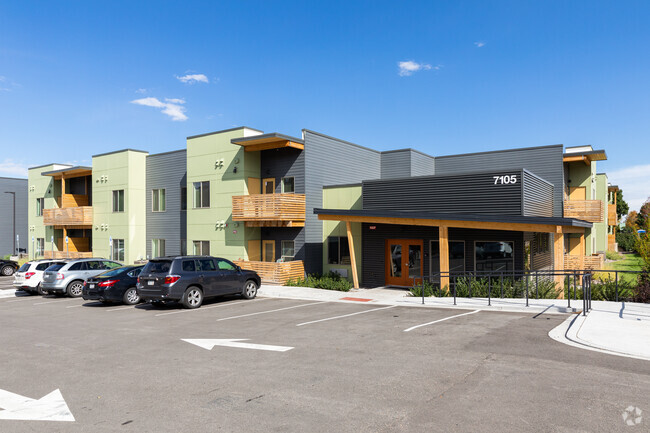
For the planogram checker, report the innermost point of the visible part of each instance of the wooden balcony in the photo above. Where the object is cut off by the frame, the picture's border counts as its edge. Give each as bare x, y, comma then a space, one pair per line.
70, 216
593, 262
612, 217
586, 210
275, 272
269, 210
68, 255
611, 242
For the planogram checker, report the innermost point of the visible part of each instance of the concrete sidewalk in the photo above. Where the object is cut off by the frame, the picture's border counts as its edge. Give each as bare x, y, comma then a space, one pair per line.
617, 328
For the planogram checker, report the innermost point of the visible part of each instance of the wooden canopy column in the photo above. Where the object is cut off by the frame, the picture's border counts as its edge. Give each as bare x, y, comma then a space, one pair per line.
443, 242
353, 260
558, 259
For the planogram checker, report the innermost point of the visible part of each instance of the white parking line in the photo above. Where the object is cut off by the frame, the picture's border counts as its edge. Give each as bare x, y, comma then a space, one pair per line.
271, 311
75, 306
206, 308
440, 320
346, 315
53, 301
26, 298
121, 308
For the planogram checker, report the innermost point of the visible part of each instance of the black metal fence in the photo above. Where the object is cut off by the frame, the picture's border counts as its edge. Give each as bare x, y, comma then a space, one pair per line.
577, 285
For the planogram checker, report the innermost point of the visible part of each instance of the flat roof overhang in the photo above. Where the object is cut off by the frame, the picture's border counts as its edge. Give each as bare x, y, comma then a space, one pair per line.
586, 157
268, 141
612, 188
485, 222
70, 172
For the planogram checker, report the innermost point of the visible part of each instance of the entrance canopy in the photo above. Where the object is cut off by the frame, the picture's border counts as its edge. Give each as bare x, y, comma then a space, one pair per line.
444, 221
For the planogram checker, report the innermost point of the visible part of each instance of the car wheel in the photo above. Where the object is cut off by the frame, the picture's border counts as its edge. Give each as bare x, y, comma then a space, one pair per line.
75, 289
131, 296
7, 271
193, 298
250, 289
40, 291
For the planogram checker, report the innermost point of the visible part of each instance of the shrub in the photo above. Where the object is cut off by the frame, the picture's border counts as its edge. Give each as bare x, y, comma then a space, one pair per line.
605, 290
330, 281
642, 290
429, 290
613, 255
626, 239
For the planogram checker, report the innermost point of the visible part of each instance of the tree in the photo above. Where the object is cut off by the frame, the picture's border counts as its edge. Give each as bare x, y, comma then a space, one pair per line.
621, 205
630, 222
643, 219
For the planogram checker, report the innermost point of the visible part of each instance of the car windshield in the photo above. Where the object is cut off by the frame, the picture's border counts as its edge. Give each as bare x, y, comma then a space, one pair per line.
24, 267
112, 273
159, 266
54, 268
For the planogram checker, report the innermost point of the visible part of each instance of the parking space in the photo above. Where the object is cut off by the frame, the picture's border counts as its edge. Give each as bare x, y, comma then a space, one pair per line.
340, 367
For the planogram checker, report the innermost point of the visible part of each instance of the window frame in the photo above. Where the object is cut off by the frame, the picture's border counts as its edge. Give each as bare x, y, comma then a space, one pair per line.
202, 244
158, 245
293, 182
161, 195
493, 241
116, 194
293, 248
40, 205
338, 246
202, 194
116, 248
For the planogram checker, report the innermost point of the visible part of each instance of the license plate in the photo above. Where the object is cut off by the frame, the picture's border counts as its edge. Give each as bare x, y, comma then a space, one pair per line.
150, 282
91, 286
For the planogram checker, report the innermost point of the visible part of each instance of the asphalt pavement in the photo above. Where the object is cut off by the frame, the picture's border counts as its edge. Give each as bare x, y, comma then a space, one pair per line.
296, 365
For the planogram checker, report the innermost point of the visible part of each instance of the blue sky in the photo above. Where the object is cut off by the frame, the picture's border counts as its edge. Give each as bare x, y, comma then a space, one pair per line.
475, 76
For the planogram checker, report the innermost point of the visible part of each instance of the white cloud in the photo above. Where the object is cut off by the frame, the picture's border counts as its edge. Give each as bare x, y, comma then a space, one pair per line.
409, 67
171, 107
141, 91
479, 44
635, 183
11, 168
193, 78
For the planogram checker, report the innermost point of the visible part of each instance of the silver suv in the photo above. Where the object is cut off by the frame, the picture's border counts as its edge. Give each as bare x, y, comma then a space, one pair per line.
68, 279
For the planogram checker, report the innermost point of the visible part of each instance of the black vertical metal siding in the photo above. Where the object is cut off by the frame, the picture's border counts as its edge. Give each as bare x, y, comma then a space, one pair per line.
545, 162
168, 171
374, 250
537, 195
287, 162
7, 239
329, 161
460, 194
396, 164
279, 234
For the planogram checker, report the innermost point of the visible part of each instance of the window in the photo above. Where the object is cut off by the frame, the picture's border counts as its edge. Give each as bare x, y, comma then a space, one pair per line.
183, 198
206, 265
118, 200
288, 184
188, 266
202, 248
158, 200
134, 273
183, 247
79, 266
225, 265
40, 205
201, 194
157, 248
287, 251
118, 250
40, 246
494, 256
541, 243
338, 250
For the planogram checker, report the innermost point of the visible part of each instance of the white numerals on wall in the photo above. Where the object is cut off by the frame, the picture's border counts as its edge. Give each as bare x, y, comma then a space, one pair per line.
505, 179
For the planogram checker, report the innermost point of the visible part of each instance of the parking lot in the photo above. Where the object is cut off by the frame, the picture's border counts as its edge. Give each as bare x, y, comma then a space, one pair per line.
306, 366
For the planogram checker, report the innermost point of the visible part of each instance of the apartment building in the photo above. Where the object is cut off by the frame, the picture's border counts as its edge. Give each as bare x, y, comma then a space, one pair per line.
13, 216
286, 206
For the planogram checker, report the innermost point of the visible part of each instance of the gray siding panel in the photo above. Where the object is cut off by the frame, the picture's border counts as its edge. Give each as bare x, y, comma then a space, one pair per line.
396, 164
537, 196
422, 165
545, 162
329, 161
279, 163
475, 194
7, 239
168, 171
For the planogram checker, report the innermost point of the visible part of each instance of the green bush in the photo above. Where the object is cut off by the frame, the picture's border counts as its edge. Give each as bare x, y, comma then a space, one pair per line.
605, 290
330, 281
626, 239
429, 290
613, 255
642, 290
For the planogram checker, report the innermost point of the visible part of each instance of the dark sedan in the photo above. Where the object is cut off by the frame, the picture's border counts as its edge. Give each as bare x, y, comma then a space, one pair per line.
8, 267
116, 285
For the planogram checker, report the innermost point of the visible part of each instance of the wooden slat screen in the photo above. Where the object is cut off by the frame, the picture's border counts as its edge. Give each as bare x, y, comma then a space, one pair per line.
268, 207
82, 216
595, 262
612, 218
63, 255
586, 210
274, 272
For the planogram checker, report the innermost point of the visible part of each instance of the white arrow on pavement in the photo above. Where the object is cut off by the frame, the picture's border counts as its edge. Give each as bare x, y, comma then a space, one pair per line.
235, 342
52, 407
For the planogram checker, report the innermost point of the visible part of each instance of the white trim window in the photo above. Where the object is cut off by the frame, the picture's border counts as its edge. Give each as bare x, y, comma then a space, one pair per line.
157, 248
288, 250
158, 201
118, 200
201, 194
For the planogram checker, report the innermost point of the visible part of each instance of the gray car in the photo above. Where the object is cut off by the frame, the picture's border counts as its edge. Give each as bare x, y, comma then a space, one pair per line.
68, 279
190, 279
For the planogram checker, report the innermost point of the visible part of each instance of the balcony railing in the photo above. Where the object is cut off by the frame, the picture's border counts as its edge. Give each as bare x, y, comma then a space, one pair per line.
69, 216
596, 261
586, 210
612, 217
261, 210
275, 272
64, 255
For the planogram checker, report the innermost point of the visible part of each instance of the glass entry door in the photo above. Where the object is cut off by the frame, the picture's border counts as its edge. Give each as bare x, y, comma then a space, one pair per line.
403, 261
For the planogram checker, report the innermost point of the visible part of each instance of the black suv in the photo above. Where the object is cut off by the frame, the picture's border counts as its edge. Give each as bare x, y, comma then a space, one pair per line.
190, 279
